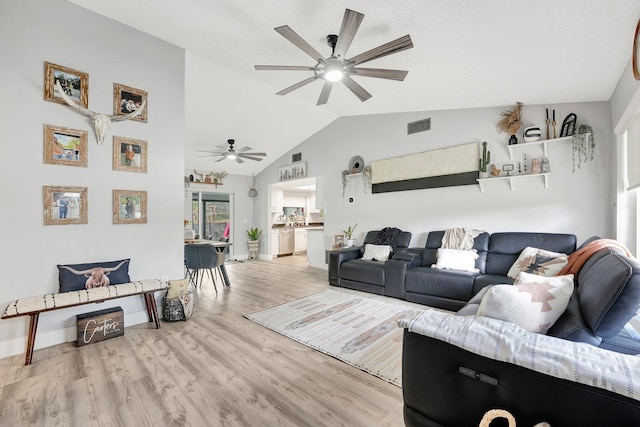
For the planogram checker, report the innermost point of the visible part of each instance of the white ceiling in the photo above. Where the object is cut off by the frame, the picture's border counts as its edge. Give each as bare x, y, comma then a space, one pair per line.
472, 53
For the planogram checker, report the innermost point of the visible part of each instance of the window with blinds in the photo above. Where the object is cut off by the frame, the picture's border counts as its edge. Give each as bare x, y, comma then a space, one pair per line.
633, 154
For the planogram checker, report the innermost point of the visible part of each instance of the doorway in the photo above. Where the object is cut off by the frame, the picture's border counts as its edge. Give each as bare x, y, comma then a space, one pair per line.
211, 215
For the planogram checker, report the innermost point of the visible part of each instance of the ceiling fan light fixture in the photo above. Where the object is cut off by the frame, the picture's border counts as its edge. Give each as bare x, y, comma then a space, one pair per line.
333, 74
232, 156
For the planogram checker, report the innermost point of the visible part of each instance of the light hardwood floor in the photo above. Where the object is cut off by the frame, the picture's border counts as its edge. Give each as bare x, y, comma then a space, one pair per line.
216, 369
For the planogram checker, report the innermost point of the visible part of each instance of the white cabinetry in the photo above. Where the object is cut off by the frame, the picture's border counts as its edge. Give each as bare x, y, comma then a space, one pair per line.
301, 240
275, 243
277, 200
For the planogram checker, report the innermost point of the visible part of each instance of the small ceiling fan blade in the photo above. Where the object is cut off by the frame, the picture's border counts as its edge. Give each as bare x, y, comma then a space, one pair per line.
209, 155
380, 73
285, 67
350, 24
221, 159
212, 153
254, 154
244, 156
286, 32
357, 90
394, 46
243, 149
296, 86
326, 91
239, 160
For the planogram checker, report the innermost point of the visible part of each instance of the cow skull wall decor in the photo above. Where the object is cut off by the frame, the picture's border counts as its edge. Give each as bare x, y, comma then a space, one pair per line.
101, 122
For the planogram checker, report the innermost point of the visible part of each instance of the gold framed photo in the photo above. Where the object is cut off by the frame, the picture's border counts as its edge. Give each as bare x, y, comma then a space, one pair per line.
129, 154
129, 207
75, 84
65, 205
127, 99
338, 241
65, 146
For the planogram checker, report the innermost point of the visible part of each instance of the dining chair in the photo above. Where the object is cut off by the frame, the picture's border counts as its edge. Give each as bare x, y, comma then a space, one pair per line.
201, 259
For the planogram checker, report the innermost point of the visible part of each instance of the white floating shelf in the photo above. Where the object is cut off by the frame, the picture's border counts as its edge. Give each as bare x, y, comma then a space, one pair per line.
513, 179
543, 142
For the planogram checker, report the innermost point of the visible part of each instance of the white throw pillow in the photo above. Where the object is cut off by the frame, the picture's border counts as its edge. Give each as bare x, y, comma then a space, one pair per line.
455, 259
538, 261
376, 252
534, 302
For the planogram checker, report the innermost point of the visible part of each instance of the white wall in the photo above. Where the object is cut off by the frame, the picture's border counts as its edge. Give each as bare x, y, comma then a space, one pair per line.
580, 203
35, 31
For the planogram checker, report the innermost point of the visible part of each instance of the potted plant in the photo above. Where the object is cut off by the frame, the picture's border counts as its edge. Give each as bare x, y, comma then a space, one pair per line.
510, 122
348, 232
254, 235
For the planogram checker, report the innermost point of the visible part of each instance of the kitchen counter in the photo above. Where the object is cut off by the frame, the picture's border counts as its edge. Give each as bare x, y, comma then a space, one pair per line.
312, 225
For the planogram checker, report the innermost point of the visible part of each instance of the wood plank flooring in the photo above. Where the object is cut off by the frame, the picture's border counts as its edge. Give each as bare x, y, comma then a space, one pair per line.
216, 369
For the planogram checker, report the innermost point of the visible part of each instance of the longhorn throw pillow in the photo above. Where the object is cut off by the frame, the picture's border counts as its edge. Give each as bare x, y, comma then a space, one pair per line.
75, 277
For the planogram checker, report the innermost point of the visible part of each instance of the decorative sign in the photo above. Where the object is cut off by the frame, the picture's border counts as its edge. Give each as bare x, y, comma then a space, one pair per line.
100, 325
293, 171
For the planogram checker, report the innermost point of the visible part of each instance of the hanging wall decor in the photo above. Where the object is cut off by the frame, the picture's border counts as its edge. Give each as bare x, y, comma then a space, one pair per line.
73, 83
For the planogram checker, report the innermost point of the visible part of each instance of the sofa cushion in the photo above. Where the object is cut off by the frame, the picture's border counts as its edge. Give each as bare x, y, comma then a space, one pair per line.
609, 293
454, 259
376, 252
358, 270
450, 284
504, 248
434, 241
538, 261
402, 241
484, 280
533, 302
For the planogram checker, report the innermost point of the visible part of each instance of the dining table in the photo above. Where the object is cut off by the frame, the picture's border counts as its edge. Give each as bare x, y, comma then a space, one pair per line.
219, 246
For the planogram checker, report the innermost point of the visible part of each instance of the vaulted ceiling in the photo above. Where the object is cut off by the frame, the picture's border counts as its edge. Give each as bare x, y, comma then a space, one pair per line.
473, 53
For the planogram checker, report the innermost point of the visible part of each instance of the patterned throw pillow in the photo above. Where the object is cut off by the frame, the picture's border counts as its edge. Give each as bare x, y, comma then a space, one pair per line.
538, 261
74, 277
533, 302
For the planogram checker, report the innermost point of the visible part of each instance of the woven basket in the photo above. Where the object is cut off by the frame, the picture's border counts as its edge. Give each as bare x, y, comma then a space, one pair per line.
493, 414
173, 309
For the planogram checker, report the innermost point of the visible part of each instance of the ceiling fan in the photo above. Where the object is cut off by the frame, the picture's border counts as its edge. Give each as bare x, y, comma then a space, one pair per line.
231, 154
337, 67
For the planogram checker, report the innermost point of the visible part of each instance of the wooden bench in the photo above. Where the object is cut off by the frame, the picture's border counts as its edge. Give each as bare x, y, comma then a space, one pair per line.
33, 306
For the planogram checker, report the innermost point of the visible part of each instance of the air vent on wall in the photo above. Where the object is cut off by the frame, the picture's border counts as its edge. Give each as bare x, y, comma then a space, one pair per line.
419, 126
296, 157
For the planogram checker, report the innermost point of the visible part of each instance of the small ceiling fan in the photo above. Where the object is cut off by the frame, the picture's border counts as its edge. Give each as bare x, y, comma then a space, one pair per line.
337, 67
231, 154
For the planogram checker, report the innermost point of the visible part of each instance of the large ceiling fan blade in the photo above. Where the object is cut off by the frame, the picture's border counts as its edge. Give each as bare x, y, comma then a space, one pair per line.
221, 159
239, 160
212, 153
350, 24
357, 90
243, 149
380, 73
209, 155
324, 95
296, 86
254, 154
286, 68
394, 46
244, 156
286, 32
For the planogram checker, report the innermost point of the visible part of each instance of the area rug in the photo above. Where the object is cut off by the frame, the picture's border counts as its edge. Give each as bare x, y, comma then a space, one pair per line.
353, 328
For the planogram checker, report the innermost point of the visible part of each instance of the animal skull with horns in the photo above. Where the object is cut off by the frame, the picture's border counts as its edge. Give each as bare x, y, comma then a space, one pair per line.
101, 122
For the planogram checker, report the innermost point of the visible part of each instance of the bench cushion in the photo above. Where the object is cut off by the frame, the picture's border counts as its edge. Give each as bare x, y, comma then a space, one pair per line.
48, 302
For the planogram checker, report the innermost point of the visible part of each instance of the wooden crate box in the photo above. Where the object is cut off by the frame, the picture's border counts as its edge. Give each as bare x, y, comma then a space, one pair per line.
100, 325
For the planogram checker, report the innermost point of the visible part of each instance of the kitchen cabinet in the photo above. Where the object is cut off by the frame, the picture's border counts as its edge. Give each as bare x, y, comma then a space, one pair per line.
275, 243
277, 200
301, 240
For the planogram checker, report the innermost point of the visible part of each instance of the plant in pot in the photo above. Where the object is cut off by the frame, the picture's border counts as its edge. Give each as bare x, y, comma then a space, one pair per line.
254, 235
348, 233
510, 121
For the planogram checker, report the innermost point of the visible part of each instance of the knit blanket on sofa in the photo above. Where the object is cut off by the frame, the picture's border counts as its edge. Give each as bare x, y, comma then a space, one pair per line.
507, 342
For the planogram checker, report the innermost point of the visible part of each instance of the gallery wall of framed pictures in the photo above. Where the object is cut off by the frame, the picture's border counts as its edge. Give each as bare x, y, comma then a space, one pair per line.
64, 146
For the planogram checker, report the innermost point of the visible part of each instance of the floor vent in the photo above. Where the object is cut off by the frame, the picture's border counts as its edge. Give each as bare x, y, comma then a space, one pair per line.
419, 126
296, 157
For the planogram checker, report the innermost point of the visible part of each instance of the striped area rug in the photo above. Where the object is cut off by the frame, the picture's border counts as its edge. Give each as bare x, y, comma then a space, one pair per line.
354, 328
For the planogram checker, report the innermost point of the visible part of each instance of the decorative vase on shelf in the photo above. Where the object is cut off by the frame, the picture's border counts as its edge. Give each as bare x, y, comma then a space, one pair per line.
513, 140
484, 175
535, 165
351, 242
